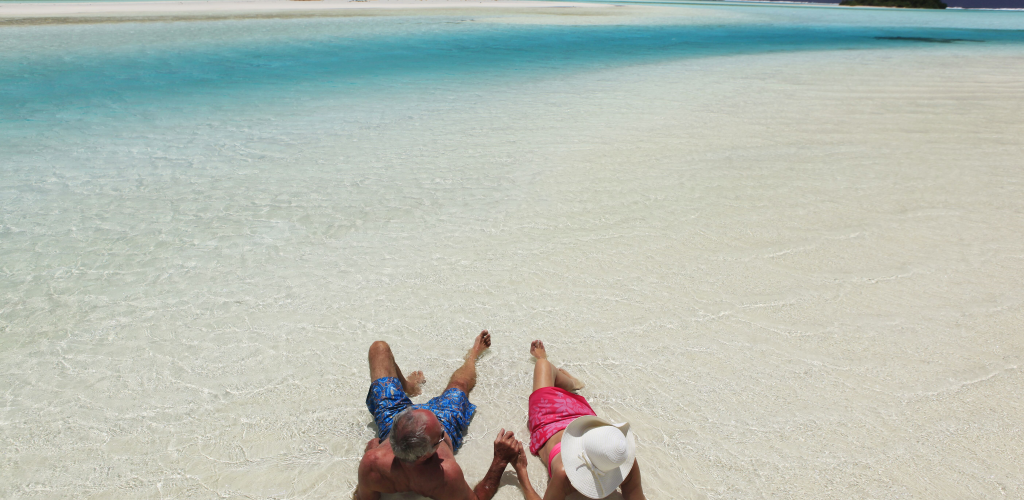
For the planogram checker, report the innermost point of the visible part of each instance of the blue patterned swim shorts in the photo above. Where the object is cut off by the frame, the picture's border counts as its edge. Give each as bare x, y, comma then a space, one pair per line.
452, 408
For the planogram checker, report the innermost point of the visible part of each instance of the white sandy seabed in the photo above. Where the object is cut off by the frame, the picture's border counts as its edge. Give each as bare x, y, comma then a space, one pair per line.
797, 275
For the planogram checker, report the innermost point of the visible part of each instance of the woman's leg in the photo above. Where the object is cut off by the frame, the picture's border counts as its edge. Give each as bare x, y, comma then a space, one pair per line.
546, 375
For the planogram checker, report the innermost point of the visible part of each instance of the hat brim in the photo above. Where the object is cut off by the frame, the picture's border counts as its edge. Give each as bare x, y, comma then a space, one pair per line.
587, 483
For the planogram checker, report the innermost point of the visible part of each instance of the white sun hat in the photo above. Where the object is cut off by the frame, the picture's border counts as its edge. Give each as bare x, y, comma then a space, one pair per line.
597, 455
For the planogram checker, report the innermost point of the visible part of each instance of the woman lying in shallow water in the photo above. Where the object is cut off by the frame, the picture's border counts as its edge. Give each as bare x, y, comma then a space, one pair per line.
582, 451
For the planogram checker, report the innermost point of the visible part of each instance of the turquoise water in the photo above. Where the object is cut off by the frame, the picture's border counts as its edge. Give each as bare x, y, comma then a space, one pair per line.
783, 242
52, 71
82, 79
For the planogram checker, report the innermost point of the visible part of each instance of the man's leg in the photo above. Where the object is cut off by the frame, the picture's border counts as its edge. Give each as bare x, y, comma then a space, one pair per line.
464, 378
546, 375
382, 364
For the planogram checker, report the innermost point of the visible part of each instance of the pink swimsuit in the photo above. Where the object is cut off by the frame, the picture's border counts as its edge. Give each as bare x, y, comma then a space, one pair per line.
552, 410
555, 450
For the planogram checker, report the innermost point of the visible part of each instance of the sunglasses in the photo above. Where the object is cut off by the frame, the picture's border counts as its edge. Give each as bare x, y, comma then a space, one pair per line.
439, 441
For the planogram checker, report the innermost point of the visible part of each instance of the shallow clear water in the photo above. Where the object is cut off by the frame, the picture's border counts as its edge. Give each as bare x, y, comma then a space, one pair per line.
782, 242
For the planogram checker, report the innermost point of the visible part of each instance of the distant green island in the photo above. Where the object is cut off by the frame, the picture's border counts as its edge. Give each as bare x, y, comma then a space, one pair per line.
907, 4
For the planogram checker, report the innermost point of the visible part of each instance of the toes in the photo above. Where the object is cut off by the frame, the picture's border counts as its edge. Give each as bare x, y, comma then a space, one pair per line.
483, 341
416, 378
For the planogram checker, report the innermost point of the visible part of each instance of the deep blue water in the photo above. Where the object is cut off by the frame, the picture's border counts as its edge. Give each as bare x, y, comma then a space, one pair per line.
963, 4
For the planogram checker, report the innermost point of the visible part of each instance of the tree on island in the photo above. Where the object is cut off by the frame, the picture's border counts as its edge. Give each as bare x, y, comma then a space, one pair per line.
907, 4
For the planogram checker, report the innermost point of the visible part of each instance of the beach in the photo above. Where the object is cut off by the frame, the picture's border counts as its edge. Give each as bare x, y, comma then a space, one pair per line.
782, 242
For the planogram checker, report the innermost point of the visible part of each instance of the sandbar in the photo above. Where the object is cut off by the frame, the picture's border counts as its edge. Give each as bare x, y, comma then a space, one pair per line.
78, 12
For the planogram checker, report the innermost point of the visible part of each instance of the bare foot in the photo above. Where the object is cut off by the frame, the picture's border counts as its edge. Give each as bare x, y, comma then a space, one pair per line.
482, 342
414, 384
537, 349
576, 384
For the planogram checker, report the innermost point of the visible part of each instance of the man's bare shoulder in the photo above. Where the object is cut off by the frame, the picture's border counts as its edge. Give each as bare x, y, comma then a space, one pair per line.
441, 478
375, 469
455, 486
452, 472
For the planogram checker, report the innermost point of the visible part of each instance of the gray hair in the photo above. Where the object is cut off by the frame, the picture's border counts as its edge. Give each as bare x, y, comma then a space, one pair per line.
409, 437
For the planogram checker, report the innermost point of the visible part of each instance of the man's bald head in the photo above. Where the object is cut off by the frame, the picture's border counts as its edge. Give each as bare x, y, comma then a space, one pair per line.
414, 434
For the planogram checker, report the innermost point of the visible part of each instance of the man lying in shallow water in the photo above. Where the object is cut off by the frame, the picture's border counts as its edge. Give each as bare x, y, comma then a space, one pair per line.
419, 452
582, 451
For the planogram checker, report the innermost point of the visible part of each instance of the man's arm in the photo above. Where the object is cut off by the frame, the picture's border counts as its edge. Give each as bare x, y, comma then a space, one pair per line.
631, 489
504, 452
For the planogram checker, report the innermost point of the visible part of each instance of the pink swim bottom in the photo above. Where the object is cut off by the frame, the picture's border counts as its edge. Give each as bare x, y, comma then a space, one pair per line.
555, 450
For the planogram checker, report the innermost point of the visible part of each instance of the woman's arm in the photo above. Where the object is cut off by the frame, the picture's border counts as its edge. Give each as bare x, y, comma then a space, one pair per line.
524, 477
631, 488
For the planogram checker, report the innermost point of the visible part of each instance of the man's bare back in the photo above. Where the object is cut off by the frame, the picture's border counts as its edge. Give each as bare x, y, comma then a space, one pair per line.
437, 476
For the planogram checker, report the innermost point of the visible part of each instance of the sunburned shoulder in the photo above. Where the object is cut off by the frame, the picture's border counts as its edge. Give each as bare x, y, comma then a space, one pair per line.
452, 486
452, 471
379, 452
375, 463
440, 478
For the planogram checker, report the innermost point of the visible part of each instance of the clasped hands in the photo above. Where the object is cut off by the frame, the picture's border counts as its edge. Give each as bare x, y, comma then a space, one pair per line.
510, 450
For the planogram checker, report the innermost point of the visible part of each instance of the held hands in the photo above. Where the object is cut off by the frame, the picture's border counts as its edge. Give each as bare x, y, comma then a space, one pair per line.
510, 450
506, 450
519, 465
506, 447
